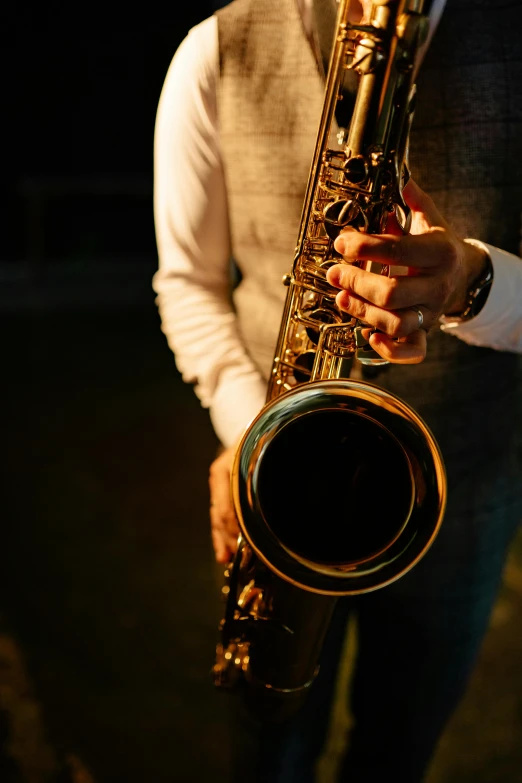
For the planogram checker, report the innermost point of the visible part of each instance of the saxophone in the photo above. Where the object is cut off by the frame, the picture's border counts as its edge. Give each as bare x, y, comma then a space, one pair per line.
303, 545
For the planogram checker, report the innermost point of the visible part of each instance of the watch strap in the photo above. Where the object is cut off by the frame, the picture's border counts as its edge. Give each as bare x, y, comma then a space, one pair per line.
477, 295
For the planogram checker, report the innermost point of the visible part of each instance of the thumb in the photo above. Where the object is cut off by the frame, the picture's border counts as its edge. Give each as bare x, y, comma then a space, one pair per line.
419, 201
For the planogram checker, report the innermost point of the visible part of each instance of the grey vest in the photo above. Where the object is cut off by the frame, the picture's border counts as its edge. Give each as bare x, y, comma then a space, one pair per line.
465, 152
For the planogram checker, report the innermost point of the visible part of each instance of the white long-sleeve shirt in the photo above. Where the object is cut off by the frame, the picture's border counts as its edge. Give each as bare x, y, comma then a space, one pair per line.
193, 280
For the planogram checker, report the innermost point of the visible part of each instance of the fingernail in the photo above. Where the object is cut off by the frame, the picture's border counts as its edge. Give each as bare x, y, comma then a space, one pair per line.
333, 275
340, 245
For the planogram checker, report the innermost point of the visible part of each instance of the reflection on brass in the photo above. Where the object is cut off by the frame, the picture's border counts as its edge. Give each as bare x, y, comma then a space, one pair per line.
339, 486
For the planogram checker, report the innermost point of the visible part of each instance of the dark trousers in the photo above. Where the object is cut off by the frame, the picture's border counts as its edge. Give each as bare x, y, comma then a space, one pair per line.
417, 642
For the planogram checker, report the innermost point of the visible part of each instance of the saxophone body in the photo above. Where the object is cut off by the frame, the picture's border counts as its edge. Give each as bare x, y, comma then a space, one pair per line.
339, 486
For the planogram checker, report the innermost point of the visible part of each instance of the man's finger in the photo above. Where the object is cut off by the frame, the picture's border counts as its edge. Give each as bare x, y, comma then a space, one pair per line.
419, 201
224, 537
220, 548
425, 251
390, 293
411, 350
219, 482
395, 323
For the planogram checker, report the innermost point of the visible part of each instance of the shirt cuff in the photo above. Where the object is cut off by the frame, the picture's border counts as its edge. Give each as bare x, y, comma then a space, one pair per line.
499, 323
236, 402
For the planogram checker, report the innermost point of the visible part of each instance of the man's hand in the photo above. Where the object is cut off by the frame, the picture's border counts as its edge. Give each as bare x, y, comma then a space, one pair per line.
441, 266
223, 520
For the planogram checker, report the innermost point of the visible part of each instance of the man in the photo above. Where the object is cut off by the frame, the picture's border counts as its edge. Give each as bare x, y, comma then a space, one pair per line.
235, 134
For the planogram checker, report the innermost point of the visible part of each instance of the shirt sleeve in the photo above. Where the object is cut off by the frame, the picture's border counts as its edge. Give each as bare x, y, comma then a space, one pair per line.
499, 323
193, 279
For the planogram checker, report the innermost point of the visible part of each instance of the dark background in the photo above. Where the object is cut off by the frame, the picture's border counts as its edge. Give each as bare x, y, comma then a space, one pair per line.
108, 592
80, 91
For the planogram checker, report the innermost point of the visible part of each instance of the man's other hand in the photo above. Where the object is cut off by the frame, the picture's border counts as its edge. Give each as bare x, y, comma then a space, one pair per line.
223, 520
440, 270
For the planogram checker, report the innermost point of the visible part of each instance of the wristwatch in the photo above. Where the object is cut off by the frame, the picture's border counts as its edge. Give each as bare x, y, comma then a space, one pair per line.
476, 298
